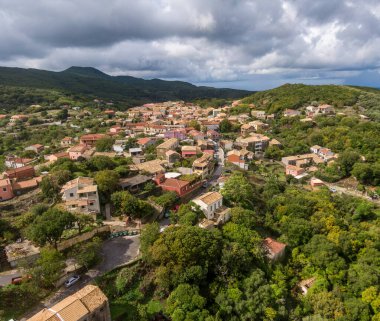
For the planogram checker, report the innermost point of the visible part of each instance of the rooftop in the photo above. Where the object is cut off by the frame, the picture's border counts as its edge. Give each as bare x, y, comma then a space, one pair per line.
210, 197
74, 307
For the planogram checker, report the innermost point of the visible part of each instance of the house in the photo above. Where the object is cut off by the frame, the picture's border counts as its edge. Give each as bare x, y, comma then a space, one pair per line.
87, 304
190, 151
326, 109
17, 162
305, 285
119, 146
133, 184
291, 113
67, 141
115, 129
259, 114
275, 142
20, 172
145, 142
180, 187
16, 118
20, 187
136, 151
256, 143
204, 165
304, 160
56, 156
315, 182
90, 140
258, 125
275, 251
246, 129
226, 144
109, 112
195, 134
172, 156
212, 134
77, 151
211, 125
315, 149
170, 144
81, 194
211, 204
178, 133
326, 154
153, 167
37, 148
6, 191
294, 171
240, 158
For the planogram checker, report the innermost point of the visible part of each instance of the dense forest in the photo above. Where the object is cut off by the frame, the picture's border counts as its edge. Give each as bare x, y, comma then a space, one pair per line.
223, 274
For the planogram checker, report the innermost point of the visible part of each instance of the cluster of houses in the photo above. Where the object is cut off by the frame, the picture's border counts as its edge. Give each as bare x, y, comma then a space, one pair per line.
18, 178
300, 166
311, 111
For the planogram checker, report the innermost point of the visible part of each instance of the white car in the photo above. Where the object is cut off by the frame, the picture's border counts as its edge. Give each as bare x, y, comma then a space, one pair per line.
72, 280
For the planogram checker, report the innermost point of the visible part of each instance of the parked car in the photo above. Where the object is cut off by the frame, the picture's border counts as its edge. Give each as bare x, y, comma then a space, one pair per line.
20, 279
72, 280
333, 189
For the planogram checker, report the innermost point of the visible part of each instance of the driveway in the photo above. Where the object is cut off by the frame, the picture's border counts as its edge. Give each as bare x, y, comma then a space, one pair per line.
114, 252
118, 251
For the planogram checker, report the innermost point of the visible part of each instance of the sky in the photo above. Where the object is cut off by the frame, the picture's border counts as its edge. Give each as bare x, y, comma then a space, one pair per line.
247, 44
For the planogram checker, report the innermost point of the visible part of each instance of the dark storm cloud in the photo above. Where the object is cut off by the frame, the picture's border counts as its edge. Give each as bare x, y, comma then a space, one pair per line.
196, 40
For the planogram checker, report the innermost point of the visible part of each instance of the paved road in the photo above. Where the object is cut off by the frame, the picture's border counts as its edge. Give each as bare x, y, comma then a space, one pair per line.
115, 252
352, 192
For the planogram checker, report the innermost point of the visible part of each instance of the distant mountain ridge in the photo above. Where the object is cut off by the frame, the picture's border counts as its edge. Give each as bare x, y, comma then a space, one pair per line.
95, 83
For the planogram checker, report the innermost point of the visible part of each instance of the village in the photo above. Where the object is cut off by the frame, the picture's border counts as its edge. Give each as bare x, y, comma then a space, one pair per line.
174, 150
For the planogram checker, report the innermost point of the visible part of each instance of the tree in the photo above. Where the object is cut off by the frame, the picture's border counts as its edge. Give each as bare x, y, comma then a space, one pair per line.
247, 218
63, 114
99, 163
49, 227
166, 200
185, 303
243, 195
194, 124
83, 220
50, 188
104, 144
48, 268
184, 254
187, 214
108, 182
274, 152
347, 160
87, 254
225, 126
127, 204
253, 300
149, 235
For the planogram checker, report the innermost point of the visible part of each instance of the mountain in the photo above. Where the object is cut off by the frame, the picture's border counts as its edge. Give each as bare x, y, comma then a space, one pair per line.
87, 81
298, 95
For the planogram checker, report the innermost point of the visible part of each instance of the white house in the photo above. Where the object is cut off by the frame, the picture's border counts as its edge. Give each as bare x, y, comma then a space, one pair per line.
81, 194
209, 203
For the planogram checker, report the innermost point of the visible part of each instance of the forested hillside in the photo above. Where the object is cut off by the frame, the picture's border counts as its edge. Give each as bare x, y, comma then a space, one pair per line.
92, 83
298, 95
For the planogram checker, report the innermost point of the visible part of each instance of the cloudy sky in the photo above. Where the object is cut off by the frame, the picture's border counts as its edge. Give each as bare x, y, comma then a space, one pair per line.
252, 44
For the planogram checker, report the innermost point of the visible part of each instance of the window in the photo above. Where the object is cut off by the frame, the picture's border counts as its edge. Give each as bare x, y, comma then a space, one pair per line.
71, 194
4, 189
